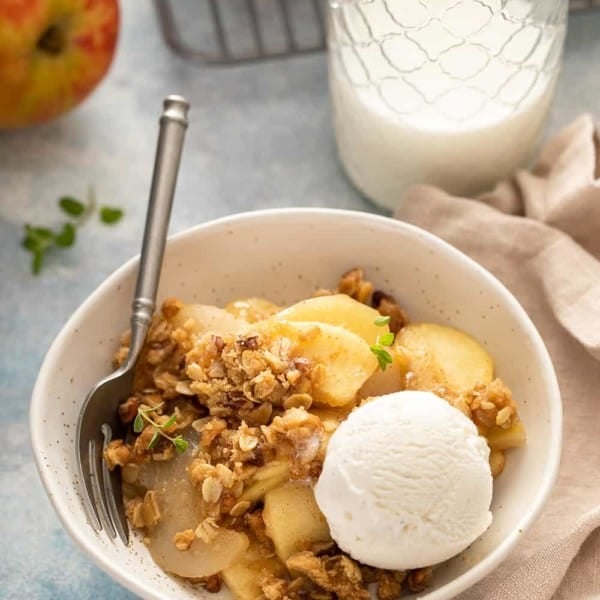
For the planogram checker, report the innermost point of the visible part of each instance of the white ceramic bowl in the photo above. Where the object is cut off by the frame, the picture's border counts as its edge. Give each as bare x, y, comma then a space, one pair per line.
284, 255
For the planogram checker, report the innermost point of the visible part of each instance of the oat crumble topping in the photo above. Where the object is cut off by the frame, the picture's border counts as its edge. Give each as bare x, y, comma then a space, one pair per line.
244, 401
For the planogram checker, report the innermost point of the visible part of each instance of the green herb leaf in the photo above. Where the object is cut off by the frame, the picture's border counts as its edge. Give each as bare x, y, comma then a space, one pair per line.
382, 321
30, 243
170, 422
36, 262
110, 214
138, 424
387, 339
43, 234
37, 240
37, 237
384, 358
71, 206
66, 237
180, 444
154, 440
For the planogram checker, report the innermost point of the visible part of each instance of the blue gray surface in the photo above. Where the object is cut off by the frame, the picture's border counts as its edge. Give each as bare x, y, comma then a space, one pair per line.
260, 136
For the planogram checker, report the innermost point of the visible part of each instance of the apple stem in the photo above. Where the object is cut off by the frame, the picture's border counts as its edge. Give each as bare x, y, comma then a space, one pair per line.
52, 40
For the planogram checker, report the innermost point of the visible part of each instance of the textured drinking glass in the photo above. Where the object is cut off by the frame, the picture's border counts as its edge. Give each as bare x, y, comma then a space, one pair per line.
453, 93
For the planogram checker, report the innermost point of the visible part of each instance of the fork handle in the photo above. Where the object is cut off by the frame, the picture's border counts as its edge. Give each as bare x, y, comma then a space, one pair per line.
173, 124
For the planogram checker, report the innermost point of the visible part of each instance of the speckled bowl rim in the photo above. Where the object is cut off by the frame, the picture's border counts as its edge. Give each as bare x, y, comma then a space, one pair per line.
450, 589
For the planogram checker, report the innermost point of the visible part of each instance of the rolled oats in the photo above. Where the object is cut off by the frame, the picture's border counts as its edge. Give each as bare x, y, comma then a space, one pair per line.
503, 416
150, 509
183, 388
298, 401
225, 475
133, 509
237, 489
207, 530
240, 508
247, 443
211, 490
199, 470
497, 461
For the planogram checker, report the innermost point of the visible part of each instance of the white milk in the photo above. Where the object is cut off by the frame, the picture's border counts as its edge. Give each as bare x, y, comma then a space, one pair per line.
459, 102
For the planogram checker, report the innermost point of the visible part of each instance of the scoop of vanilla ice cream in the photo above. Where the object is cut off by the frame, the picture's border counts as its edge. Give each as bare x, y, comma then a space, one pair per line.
406, 482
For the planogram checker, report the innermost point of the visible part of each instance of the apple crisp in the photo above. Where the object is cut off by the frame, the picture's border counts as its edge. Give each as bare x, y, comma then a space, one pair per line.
229, 419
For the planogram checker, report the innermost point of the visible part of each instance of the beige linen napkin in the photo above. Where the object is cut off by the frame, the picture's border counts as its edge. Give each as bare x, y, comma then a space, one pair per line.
539, 233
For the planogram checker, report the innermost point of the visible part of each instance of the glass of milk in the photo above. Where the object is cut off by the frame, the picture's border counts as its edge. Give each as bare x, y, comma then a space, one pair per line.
453, 93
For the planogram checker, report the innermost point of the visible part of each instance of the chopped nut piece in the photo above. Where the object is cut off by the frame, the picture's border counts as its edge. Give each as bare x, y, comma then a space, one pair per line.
491, 404
369, 574
388, 307
140, 446
170, 307
255, 523
353, 284
150, 509
390, 585
211, 431
183, 539
232, 375
419, 579
128, 410
274, 588
337, 574
250, 342
117, 453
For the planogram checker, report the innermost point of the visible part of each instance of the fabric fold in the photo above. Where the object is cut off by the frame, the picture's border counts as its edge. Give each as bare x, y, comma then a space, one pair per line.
539, 233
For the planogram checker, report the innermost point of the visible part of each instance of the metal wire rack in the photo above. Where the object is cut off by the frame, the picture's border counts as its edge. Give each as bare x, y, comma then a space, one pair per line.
235, 31
222, 32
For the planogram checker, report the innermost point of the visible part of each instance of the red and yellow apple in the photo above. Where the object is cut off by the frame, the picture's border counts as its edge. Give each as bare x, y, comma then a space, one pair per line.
53, 53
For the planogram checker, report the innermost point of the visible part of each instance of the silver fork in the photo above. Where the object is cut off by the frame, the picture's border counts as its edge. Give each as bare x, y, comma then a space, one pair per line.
98, 420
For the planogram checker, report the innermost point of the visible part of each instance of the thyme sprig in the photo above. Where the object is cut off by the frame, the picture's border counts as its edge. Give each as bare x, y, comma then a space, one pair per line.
41, 240
384, 358
143, 416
